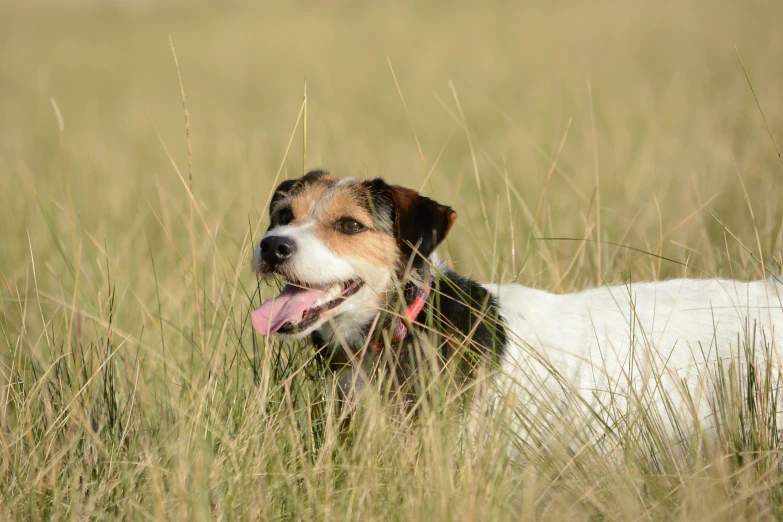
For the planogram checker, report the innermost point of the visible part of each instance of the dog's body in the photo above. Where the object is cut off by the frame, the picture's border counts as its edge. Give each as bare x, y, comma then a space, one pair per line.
358, 257
654, 345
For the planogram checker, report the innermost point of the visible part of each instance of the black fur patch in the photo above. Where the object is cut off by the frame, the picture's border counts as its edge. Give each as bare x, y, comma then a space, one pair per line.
282, 190
464, 309
459, 309
312, 175
380, 204
420, 223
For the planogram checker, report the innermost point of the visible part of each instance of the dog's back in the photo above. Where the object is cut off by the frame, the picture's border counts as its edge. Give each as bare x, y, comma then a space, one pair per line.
650, 344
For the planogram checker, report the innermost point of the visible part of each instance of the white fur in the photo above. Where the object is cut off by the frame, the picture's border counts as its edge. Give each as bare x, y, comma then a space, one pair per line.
319, 265
315, 264
644, 343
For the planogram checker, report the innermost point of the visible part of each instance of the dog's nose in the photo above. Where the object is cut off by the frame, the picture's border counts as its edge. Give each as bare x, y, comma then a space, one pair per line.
276, 249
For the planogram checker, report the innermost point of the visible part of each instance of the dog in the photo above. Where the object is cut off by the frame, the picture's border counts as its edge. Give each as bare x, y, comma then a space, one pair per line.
363, 283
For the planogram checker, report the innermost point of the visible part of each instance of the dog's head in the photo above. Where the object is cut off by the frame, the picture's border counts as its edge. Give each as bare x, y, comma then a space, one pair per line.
340, 245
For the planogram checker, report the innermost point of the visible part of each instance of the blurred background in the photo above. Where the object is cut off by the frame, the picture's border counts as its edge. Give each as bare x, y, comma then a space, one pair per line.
581, 143
646, 101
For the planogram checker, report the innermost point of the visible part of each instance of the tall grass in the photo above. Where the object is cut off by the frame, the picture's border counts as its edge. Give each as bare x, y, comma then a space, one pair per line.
580, 145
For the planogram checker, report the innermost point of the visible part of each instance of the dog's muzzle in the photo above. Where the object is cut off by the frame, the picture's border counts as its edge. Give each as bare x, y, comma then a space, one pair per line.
276, 249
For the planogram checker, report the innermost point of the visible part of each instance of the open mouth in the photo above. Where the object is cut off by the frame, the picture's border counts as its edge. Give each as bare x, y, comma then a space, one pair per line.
299, 306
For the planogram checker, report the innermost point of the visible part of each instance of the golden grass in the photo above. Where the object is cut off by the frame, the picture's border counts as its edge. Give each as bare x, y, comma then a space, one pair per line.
132, 386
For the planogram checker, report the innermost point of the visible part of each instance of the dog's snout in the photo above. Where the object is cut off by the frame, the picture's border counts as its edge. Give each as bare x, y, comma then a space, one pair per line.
276, 249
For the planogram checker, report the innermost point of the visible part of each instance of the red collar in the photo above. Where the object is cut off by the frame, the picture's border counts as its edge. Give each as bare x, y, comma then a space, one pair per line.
400, 330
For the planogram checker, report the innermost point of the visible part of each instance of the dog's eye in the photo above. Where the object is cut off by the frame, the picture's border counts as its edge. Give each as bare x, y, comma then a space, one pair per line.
349, 226
285, 216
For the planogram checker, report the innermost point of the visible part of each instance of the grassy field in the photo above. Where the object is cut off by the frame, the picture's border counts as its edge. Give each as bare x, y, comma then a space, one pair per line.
580, 143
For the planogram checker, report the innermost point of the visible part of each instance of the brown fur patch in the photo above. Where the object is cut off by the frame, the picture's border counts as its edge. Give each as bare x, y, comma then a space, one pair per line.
304, 194
348, 200
304, 203
419, 223
321, 200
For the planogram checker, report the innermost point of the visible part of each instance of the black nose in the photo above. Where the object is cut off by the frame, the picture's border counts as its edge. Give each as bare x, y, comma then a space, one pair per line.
276, 249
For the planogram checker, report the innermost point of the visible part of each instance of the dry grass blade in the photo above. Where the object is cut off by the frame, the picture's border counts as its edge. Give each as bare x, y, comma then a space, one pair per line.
132, 385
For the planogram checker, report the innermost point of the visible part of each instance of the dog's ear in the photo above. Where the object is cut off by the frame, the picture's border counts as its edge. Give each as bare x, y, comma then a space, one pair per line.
282, 190
420, 224
289, 186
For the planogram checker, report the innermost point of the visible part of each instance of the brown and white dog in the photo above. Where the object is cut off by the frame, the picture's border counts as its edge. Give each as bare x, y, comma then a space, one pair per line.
361, 277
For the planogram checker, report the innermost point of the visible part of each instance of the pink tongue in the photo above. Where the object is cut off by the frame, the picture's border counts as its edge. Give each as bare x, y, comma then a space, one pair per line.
290, 305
